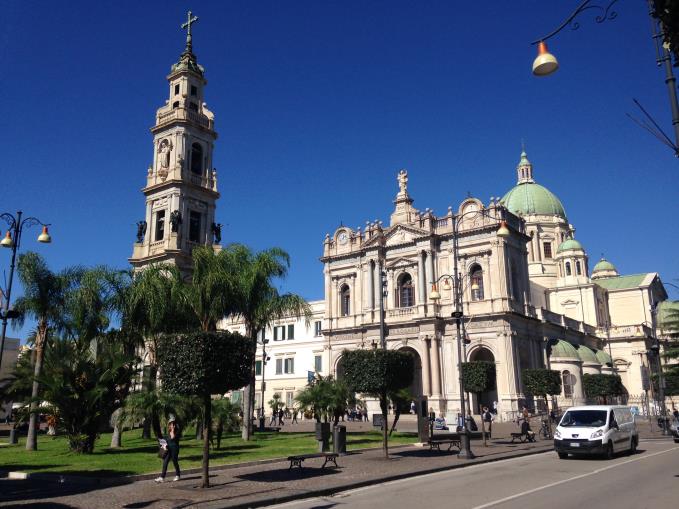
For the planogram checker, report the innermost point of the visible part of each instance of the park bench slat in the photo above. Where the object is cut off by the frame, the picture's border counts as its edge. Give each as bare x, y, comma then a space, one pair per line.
298, 459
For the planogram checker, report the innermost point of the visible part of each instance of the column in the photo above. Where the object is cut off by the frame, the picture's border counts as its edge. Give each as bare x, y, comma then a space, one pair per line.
328, 295
371, 284
435, 367
378, 285
430, 268
423, 284
426, 382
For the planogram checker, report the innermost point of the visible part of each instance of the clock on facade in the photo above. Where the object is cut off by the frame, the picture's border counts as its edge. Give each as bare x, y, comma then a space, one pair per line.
343, 238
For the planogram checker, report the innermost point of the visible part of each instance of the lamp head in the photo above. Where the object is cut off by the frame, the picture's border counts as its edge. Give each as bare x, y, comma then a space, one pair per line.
503, 230
44, 237
545, 63
475, 285
7, 241
434, 295
446, 284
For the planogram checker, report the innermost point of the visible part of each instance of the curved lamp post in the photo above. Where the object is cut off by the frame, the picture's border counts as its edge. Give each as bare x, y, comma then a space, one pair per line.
546, 63
458, 314
12, 241
265, 358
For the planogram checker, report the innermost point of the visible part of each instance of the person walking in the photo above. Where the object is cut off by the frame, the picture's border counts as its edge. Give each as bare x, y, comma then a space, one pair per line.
487, 417
295, 411
171, 445
274, 413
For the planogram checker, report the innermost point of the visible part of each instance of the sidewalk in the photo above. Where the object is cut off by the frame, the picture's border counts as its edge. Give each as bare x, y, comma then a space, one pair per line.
261, 484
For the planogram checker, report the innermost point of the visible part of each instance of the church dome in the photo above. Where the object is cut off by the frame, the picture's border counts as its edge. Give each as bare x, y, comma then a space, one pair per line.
586, 354
569, 244
604, 265
528, 198
604, 358
565, 350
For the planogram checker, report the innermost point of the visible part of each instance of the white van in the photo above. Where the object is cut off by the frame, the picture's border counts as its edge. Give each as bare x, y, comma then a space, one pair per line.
596, 429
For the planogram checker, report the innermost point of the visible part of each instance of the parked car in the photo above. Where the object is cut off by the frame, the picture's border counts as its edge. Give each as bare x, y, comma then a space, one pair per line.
596, 429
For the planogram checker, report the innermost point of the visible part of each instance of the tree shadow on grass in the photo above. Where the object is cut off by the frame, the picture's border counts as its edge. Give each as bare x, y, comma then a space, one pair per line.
35, 490
426, 453
287, 475
22, 467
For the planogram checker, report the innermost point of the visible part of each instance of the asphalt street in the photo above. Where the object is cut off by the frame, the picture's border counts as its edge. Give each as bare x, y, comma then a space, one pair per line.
649, 478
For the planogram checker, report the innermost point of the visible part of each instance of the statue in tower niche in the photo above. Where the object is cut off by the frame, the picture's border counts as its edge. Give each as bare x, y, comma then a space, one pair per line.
217, 232
175, 220
164, 149
141, 231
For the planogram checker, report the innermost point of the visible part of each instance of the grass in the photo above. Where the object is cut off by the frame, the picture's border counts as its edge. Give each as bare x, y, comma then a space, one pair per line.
138, 456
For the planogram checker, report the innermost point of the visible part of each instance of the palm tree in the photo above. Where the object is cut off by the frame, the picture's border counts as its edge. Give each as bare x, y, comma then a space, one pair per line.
224, 417
44, 301
259, 303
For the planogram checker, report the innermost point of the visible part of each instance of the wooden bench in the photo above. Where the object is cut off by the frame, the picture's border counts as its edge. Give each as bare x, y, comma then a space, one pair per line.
451, 442
330, 457
529, 436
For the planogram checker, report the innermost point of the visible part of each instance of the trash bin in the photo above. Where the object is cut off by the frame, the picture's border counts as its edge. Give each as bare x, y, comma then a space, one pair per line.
339, 439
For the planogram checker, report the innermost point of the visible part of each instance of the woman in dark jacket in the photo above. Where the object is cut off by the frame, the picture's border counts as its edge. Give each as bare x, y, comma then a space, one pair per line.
172, 446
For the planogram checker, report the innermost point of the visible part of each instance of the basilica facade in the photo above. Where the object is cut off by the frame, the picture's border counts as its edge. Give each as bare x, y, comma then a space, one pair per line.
525, 296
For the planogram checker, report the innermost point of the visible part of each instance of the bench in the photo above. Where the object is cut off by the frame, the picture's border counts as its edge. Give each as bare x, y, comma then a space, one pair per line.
451, 442
529, 436
330, 457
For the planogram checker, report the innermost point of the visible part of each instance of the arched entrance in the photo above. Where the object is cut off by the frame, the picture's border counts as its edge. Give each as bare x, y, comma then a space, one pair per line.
485, 398
415, 388
339, 368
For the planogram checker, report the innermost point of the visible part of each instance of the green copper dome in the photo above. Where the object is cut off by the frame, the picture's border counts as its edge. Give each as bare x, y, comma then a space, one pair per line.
531, 198
586, 354
569, 244
604, 358
564, 349
603, 264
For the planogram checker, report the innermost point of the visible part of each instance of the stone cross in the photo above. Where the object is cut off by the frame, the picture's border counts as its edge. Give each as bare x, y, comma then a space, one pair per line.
187, 26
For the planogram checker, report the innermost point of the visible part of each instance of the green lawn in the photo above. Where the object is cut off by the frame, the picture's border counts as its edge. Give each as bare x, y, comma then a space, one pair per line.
138, 456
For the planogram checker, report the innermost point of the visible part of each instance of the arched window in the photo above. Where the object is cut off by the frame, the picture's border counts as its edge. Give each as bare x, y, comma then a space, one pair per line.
345, 300
567, 382
196, 159
476, 282
406, 292
568, 268
578, 268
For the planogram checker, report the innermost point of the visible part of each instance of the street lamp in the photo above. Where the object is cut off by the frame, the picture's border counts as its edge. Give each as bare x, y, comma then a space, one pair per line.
458, 314
546, 63
12, 240
264, 361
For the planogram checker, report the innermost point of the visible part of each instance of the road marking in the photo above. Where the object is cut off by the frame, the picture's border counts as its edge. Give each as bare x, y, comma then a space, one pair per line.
347, 493
551, 485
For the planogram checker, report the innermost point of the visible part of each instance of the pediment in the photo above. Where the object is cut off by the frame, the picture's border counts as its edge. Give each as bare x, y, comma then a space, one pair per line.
400, 262
401, 234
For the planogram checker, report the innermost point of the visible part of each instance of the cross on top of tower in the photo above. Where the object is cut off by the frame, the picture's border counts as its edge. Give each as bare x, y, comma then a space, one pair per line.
190, 20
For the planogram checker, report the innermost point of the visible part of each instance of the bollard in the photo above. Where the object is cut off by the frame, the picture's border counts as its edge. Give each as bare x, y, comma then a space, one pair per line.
339, 440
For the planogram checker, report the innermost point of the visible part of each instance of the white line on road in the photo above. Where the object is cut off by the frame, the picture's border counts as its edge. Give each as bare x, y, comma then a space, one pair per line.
550, 485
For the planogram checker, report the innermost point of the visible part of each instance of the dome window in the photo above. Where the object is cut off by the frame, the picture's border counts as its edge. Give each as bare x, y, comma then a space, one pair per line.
568, 268
578, 268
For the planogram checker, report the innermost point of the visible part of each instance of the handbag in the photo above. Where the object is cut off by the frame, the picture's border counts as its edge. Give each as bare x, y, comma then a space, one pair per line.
163, 452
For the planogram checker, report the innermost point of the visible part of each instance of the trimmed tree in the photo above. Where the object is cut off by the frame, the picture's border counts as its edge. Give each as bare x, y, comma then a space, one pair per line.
478, 377
377, 373
602, 386
202, 364
542, 382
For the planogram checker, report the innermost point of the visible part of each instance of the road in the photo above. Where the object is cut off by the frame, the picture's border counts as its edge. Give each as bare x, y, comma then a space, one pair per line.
650, 478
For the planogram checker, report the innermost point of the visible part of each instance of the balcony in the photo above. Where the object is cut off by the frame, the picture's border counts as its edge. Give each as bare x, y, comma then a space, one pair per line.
183, 114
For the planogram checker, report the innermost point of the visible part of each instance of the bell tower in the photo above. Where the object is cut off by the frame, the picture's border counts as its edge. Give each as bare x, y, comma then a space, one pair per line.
181, 183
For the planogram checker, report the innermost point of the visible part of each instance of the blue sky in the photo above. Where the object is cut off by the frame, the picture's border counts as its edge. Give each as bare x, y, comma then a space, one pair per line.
319, 104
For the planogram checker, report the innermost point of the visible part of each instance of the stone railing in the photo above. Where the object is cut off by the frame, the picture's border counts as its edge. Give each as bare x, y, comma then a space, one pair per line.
156, 247
400, 312
183, 114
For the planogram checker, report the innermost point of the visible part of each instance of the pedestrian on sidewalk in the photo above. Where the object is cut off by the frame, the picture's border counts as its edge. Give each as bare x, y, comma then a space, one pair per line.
274, 413
171, 444
281, 414
487, 417
295, 411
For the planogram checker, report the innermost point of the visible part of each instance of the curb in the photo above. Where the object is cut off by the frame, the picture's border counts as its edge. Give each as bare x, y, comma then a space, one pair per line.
368, 482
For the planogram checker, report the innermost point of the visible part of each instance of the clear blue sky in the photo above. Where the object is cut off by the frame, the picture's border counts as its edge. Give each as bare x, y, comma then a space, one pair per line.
319, 104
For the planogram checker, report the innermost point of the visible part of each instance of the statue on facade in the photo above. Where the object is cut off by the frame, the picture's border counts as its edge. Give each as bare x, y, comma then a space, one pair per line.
217, 232
175, 220
141, 231
164, 153
403, 181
